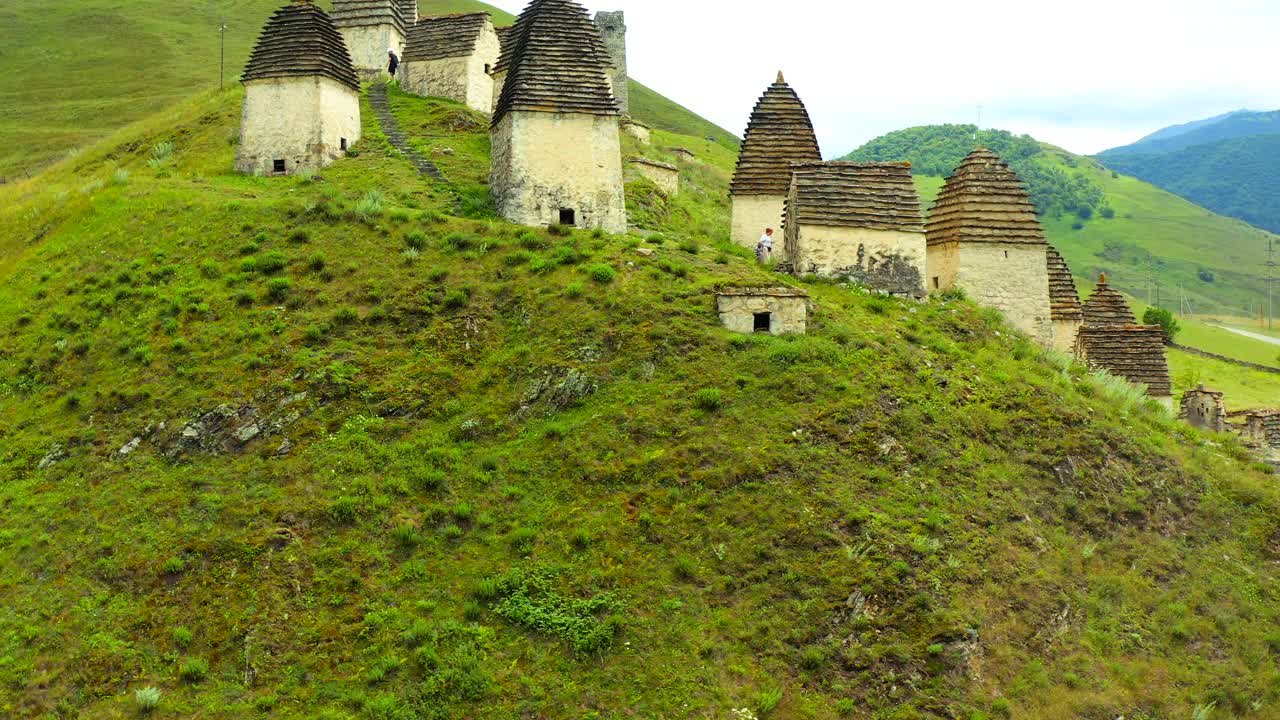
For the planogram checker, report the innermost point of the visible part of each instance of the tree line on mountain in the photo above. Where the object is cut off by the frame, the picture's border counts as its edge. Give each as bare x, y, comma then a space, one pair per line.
936, 150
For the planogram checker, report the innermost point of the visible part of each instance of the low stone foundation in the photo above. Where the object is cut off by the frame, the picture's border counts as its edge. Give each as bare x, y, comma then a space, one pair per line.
666, 177
637, 130
777, 311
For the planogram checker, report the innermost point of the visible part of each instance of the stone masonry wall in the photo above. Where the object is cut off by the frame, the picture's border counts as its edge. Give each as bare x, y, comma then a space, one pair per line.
891, 261
1012, 278
1064, 335
637, 131
368, 48
543, 162
789, 314
752, 214
300, 120
667, 179
613, 28
1204, 410
462, 79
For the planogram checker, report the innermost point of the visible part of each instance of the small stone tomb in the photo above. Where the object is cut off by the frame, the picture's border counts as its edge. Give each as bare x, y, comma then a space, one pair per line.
776, 311
637, 130
684, 154
665, 176
1204, 409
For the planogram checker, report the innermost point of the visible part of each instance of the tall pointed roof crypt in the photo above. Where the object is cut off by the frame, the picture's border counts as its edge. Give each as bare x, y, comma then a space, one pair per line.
984, 202
1064, 299
778, 134
878, 196
300, 40
444, 36
1106, 306
370, 13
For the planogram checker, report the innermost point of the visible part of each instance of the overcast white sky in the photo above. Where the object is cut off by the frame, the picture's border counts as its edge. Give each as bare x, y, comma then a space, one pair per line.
1086, 75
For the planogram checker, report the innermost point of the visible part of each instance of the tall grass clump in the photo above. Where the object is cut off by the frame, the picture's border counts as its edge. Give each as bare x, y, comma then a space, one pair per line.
161, 154
147, 699
370, 206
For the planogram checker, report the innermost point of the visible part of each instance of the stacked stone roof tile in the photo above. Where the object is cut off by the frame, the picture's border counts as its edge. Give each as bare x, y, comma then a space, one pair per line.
370, 13
409, 11
444, 36
1134, 352
862, 195
1064, 299
984, 202
555, 61
1107, 306
300, 40
779, 133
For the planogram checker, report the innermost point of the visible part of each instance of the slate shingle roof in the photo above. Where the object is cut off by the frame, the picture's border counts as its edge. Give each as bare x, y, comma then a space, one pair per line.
779, 133
300, 40
1133, 352
984, 202
368, 13
1064, 299
555, 61
845, 194
409, 11
444, 36
1107, 306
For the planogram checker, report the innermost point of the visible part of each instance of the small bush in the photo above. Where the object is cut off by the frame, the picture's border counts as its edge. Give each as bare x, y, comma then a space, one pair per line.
459, 241
560, 230
451, 532
346, 316
173, 566
182, 636
316, 262
684, 568
689, 246
271, 263
415, 239
147, 699
278, 289
709, 399
406, 536
193, 669
767, 700
456, 299
426, 480
602, 273
370, 206
574, 290
1166, 321
299, 236
522, 539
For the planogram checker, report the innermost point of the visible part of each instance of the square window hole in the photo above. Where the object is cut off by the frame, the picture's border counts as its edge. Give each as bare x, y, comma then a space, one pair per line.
762, 322
937, 283
277, 166
568, 217
343, 144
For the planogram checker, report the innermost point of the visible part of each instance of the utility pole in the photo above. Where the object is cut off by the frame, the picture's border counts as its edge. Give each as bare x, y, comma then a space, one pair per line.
222, 57
1271, 281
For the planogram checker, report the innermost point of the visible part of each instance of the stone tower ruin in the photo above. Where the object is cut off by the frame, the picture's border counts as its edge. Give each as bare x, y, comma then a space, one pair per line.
557, 155
301, 95
371, 28
1064, 303
985, 239
778, 134
613, 30
859, 222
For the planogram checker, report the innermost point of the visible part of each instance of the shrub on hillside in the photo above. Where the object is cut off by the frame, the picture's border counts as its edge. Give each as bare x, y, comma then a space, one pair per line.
602, 273
1166, 321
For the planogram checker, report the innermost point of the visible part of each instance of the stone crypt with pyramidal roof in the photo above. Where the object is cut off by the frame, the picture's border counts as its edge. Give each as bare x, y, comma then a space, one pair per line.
557, 155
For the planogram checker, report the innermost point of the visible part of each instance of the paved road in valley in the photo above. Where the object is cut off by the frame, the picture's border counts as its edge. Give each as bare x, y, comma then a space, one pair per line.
1254, 335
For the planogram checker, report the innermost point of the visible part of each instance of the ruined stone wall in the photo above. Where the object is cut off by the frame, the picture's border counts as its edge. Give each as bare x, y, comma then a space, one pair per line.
752, 214
543, 162
789, 314
368, 48
463, 79
667, 179
1064, 334
637, 131
1204, 410
613, 28
891, 261
301, 120
1010, 277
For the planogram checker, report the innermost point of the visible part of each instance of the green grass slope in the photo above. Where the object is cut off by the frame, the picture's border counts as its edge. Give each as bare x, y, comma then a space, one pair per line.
349, 447
75, 72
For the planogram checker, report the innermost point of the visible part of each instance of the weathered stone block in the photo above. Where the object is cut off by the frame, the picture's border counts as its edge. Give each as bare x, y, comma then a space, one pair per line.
777, 311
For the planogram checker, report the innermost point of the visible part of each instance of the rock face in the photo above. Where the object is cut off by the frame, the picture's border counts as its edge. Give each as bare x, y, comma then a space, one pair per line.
857, 221
613, 30
1064, 303
371, 28
778, 134
1111, 340
557, 156
451, 56
777, 311
665, 176
984, 238
301, 105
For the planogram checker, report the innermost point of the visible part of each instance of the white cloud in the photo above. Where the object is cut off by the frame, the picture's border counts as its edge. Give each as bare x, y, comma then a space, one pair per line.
1087, 75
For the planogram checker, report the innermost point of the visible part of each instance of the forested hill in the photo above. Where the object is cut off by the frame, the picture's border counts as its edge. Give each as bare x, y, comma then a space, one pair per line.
1230, 165
936, 150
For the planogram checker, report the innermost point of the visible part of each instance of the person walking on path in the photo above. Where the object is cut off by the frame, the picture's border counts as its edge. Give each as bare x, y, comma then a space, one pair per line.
764, 248
393, 62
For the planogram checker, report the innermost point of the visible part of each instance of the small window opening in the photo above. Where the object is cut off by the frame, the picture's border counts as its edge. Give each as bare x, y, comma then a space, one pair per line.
937, 283
763, 321
568, 217
277, 166
1006, 253
487, 68
343, 143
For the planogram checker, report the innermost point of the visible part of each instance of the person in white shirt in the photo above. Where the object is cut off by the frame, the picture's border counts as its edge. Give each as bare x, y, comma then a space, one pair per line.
764, 248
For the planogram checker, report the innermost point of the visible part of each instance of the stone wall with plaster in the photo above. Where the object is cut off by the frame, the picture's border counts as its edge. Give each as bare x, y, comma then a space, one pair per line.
752, 214
1009, 277
301, 120
638, 131
1064, 335
788, 315
463, 79
368, 47
891, 261
613, 30
545, 162
667, 178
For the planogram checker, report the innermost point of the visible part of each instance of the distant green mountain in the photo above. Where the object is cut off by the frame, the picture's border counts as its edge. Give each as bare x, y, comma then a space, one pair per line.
1229, 164
1147, 239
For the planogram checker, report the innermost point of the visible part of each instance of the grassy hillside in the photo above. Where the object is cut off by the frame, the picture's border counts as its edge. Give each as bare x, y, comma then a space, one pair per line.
1134, 231
349, 447
75, 72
